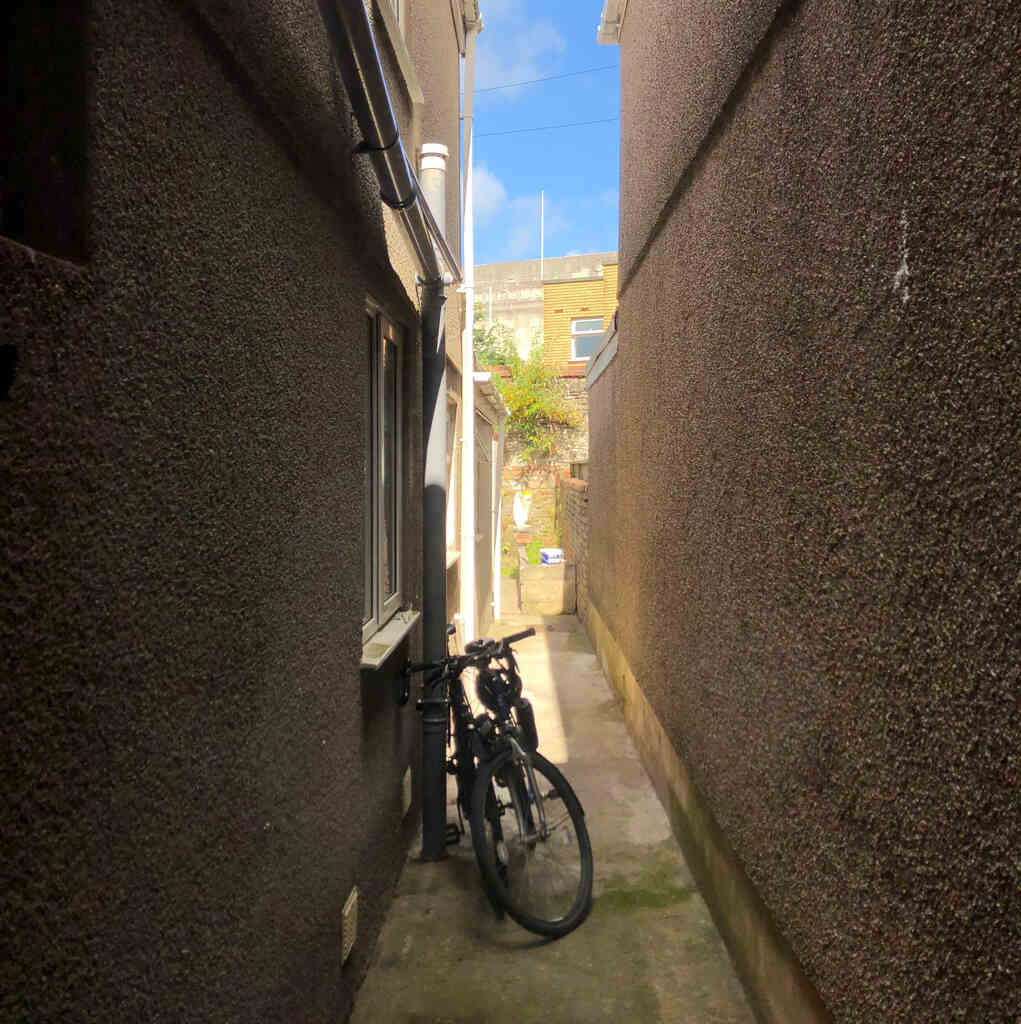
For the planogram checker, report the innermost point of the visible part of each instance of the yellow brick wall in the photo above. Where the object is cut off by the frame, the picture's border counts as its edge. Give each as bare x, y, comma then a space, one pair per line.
609, 293
564, 301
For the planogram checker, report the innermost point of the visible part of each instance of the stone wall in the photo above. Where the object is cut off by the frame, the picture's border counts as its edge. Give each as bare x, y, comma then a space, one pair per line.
570, 442
573, 514
541, 483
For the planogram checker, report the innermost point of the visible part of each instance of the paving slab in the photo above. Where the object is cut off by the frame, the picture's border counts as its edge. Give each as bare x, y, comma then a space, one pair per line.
648, 952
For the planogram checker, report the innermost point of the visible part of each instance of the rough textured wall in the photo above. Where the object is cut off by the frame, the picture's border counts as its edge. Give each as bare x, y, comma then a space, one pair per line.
682, 57
805, 523
196, 772
611, 582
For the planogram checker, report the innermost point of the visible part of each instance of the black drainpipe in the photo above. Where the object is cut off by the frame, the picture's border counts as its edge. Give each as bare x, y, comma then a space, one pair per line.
434, 565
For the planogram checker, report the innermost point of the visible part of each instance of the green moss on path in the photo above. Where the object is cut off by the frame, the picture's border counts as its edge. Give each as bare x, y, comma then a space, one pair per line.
654, 889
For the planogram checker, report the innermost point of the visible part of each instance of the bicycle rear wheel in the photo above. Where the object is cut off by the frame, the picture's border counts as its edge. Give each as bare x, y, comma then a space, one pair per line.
534, 851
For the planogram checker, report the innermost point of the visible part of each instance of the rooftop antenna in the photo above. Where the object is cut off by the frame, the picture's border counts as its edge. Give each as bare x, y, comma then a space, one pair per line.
542, 231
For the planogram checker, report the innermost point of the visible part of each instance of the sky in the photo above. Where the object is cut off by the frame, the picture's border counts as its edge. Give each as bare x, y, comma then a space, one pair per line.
576, 167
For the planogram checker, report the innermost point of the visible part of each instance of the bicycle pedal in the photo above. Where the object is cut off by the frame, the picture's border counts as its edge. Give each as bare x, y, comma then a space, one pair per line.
453, 836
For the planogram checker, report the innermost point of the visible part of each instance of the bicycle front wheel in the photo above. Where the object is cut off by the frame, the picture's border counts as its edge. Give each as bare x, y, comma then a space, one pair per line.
532, 845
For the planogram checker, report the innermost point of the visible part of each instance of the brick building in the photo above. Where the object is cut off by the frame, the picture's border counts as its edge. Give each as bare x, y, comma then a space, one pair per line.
576, 312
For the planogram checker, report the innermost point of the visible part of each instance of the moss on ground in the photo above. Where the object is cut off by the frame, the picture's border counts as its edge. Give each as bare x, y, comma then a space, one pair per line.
636, 897
654, 889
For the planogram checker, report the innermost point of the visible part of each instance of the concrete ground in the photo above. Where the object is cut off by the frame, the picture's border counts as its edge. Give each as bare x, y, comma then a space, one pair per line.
648, 952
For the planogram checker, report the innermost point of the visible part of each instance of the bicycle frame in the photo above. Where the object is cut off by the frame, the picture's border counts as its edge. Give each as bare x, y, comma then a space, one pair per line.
526, 871
462, 727
520, 757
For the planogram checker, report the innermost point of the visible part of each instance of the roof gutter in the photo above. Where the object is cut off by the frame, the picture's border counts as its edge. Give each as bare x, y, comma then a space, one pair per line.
354, 49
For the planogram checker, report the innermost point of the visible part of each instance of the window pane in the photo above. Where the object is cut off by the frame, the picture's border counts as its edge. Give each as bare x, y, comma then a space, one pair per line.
584, 326
368, 476
388, 468
584, 346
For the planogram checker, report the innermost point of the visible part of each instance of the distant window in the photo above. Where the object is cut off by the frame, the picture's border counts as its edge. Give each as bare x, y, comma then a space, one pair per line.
43, 126
383, 524
585, 337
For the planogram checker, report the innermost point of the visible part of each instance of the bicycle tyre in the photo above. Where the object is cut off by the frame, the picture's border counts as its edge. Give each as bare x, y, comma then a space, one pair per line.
491, 815
545, 884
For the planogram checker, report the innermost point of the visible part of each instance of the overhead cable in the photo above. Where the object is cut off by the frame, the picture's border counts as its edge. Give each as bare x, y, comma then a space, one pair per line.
547, 127
549, 78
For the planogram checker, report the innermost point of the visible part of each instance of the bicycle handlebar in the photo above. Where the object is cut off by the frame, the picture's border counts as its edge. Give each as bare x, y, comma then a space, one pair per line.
515, 637
493, 649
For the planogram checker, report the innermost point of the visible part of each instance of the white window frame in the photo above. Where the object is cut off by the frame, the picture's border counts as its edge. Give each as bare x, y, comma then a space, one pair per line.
453, 477
584, 333
381, 606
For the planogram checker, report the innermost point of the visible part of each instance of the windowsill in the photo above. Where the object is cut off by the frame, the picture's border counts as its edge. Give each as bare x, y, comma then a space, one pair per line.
382, 644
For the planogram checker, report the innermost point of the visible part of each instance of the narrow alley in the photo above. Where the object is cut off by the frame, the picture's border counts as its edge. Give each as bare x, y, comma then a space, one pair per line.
647, 952
693, 326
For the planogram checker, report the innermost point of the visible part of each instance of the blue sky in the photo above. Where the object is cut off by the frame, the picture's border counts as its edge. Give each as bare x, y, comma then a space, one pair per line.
577, 167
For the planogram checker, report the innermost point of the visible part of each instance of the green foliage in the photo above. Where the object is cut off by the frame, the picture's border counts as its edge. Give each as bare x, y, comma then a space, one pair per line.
533, 395
494, 345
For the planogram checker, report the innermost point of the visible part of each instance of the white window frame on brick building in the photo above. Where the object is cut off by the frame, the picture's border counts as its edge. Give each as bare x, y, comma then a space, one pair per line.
582, 330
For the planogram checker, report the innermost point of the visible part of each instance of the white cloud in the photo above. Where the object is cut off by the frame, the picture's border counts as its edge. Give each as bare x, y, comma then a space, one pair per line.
523, 232
488, 193
523, 227
513, 49
556, 221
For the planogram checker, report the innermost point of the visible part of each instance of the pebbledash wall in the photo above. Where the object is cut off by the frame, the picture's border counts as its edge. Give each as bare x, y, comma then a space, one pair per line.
805, 487
197, 772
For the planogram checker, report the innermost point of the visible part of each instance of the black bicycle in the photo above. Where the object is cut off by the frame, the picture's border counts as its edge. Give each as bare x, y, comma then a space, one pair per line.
527, 825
